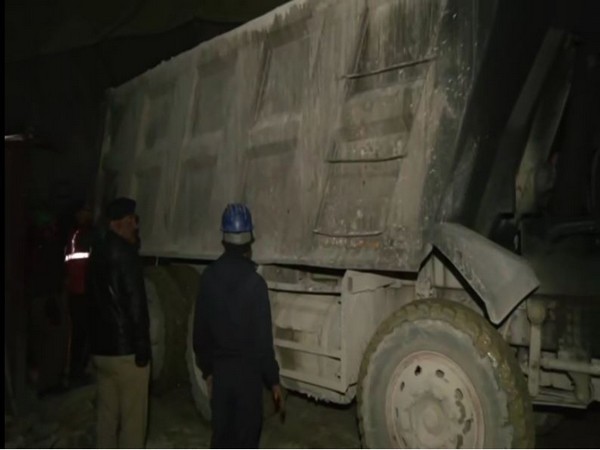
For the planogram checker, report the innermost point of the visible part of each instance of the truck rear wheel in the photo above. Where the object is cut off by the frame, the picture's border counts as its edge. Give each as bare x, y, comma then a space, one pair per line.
170, 360
187, 278
438, 375
199, 388
157, 328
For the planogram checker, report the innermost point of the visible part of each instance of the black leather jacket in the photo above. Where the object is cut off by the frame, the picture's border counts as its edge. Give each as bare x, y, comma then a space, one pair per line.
120, 323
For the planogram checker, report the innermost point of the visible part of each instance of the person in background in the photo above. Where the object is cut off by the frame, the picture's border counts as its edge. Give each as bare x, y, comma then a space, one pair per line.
76, 263
44, 287
120, 337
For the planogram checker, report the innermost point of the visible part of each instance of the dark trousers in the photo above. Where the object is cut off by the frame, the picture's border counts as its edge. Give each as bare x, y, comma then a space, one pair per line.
236, 405
79, 314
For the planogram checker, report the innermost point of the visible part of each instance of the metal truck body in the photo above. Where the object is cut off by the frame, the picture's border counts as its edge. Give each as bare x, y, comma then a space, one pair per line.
388, 151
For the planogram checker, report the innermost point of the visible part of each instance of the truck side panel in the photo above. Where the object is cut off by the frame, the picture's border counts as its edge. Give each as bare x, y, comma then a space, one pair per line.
327, 118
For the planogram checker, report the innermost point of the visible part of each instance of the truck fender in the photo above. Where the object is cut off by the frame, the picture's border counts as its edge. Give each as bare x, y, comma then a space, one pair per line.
501, 278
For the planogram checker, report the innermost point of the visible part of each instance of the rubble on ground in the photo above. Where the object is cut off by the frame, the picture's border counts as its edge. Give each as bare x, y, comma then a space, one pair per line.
55, 421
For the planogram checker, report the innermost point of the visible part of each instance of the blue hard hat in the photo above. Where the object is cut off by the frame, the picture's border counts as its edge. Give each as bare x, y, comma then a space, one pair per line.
236, 219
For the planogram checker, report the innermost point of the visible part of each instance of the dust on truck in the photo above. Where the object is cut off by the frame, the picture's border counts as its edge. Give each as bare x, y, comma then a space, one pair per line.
391, 153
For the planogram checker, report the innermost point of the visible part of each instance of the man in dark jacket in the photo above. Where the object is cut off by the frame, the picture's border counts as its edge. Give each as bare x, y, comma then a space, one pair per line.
120, 338
233, 339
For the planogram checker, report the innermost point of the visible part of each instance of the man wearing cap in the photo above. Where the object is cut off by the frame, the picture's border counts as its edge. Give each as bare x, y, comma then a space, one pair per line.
233, 340
120, 337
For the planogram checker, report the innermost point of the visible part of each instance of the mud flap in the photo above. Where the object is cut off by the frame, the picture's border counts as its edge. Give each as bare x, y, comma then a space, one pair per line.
501, 278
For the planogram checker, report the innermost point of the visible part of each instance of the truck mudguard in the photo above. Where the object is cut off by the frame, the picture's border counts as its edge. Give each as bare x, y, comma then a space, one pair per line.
501, 278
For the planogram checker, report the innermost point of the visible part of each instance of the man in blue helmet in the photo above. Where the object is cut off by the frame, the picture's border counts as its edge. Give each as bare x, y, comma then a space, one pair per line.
233, 340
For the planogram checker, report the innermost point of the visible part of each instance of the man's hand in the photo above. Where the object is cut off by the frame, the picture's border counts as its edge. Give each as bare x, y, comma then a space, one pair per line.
141, 362
278, 398
209, 385
142, 359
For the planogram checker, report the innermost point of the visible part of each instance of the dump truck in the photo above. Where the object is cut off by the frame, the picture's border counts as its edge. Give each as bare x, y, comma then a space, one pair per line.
403, 163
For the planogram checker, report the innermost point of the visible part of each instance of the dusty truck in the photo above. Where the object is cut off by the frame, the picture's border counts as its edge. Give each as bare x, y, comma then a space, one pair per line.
400, 159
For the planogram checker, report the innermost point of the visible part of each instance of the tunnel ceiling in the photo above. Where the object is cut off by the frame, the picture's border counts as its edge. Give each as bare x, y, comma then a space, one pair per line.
39, 27
42, 27
62, 55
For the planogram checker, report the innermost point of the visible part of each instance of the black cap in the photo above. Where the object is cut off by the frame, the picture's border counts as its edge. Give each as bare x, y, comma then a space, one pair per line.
119, 208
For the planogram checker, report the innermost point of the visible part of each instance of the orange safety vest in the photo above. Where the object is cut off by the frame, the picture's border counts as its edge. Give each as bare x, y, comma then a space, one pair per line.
76, 261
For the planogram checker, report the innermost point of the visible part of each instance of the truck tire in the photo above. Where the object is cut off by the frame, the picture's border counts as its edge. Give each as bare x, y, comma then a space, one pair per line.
438, 375
199, 388
157, 329
187, 278
174, 309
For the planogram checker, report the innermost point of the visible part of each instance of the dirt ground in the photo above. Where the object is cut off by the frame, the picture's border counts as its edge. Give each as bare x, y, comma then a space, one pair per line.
66, 420
578, 429
174, 423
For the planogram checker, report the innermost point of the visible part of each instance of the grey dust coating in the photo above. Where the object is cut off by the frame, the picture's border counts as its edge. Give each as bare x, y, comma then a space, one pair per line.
337, 123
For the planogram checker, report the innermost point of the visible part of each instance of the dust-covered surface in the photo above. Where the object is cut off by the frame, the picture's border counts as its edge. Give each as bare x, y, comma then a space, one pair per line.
66, 420
330, 119
174, 423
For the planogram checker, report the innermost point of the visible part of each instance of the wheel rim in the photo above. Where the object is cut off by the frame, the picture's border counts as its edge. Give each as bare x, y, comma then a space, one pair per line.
432, 403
